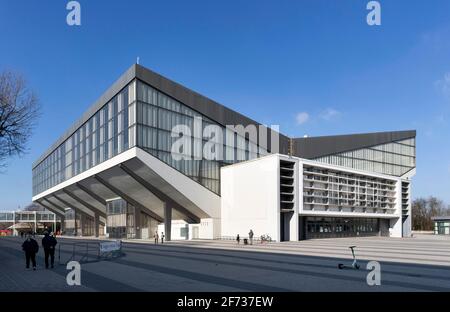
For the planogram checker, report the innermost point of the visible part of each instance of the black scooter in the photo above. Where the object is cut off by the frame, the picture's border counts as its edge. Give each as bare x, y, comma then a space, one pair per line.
354, 264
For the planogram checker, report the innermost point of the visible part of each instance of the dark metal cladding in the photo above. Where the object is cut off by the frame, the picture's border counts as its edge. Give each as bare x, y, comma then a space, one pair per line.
301, 147
315, 147
192, 99
202, 104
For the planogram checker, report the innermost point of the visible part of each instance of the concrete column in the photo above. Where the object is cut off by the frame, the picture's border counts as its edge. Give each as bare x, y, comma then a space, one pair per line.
14, 231
294, 225
75, 222
96, 224
137, 222
63, 224
167, 221
82, 224
35, 222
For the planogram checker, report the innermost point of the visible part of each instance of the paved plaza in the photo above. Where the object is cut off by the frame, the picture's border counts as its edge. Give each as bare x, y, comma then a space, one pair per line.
413, 264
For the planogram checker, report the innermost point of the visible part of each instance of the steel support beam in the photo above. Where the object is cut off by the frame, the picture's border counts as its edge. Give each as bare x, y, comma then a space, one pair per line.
168, 222
161, 196
57, 206
96, 225
90, 193
55, 211
85, 204
127, 198
77, 210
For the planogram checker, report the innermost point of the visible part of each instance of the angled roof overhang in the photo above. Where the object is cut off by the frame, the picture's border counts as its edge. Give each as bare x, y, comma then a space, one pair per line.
192, 99
315, 147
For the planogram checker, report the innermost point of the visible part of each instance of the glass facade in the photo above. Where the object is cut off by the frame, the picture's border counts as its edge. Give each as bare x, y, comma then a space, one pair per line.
149, 123
158, 114
120, 219
88, 225
6, 216
71, 223
442, 227
107, 133
396, 158
318, 227
27, 216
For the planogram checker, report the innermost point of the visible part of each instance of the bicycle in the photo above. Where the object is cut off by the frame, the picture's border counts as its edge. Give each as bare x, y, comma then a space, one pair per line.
265, 238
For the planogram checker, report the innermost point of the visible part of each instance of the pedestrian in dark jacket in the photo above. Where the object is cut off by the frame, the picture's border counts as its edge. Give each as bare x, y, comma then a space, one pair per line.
48, 243
30, 247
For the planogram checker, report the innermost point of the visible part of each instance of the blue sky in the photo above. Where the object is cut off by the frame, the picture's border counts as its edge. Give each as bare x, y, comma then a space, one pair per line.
313, 67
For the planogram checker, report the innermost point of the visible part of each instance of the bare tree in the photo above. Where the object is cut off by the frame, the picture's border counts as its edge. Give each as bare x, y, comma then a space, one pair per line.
423, 211
19, 110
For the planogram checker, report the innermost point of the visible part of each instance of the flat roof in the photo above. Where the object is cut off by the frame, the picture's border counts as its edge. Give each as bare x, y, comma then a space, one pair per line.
443, 218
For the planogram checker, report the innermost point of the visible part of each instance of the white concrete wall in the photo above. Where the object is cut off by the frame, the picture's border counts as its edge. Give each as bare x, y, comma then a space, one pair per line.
250, 198
175, 232
395, 225
209, 228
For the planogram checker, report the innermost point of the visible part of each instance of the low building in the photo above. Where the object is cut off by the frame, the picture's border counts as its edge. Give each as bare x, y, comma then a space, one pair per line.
153, 156
441, 225
16, 222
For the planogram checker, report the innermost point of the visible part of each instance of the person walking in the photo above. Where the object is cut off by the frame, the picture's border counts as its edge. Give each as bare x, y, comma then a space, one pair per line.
250, 236
48, 243
156, 237
162, 237
238, 239
30, 247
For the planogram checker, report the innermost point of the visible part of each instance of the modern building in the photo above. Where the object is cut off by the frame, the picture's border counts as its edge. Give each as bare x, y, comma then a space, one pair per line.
441, 225
151, 155
28, 221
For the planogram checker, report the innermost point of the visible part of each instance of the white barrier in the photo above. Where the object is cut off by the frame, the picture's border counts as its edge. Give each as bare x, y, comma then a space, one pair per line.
107, 247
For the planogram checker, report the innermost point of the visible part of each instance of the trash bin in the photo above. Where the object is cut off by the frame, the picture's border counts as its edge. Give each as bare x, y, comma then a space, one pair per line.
245, 241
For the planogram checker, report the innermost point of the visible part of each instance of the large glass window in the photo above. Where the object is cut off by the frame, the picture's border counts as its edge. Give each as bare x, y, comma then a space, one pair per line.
70, 222
158, 114
318, 227
120, 219
147, 122
442, 227
396, 158
103, 136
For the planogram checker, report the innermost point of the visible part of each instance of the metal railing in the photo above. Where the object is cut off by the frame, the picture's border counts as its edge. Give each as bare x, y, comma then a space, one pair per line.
84, 252
256, 239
